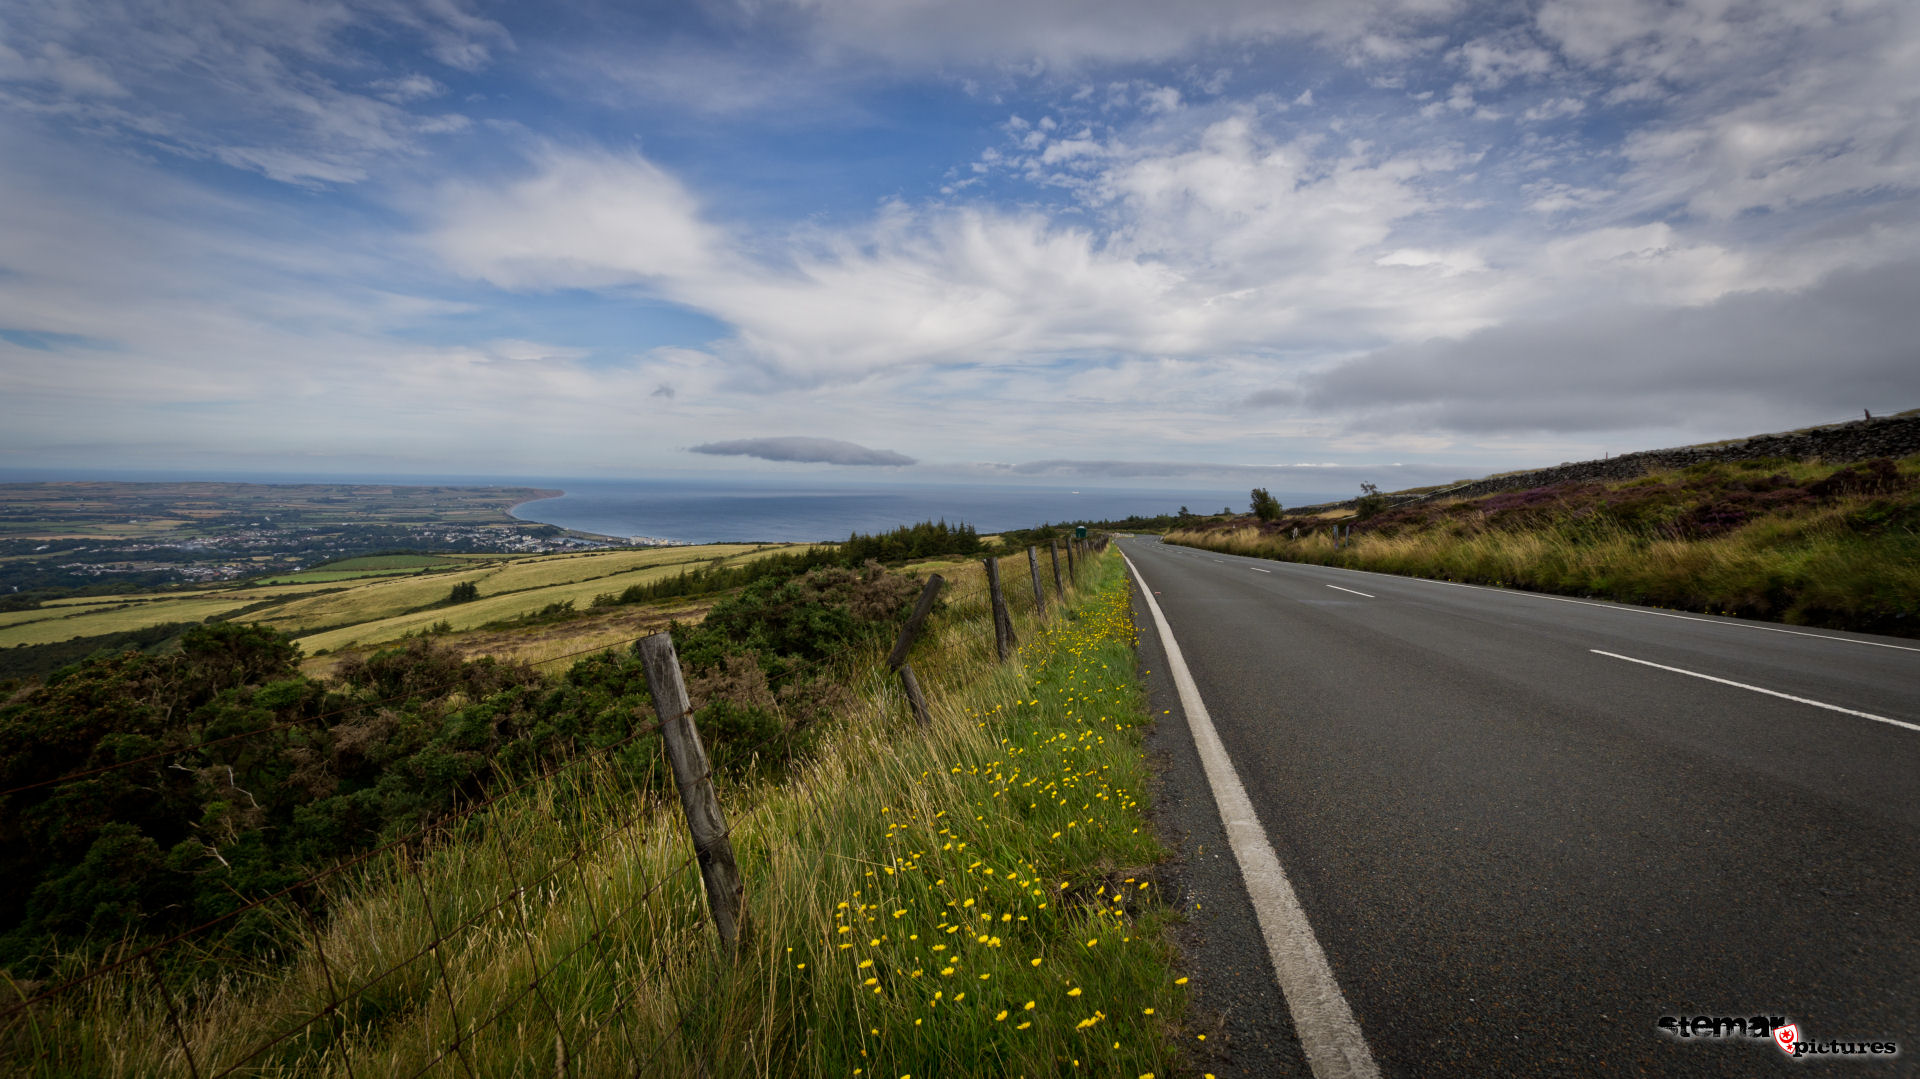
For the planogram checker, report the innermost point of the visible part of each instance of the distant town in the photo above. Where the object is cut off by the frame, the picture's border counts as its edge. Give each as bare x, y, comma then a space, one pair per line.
57, 538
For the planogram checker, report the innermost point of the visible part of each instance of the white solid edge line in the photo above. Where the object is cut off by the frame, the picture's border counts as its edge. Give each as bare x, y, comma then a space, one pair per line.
1330, 1036
1758, 689
1350, 590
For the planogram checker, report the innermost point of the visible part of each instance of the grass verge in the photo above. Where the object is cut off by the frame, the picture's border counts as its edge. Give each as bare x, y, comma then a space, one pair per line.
973, 899
1798, 542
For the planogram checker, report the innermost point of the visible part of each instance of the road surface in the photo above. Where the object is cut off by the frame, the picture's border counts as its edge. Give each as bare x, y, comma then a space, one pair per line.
1522, 829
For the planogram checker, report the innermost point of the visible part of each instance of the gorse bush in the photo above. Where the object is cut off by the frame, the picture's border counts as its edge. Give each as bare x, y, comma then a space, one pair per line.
404, 737
321, 770
928, 539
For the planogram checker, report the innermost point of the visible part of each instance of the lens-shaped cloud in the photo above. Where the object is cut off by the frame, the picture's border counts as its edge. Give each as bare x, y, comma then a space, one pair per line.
829, 451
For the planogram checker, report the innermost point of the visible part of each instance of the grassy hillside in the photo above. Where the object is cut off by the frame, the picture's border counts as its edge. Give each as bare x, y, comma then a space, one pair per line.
388, 610
1800, 542
976, 898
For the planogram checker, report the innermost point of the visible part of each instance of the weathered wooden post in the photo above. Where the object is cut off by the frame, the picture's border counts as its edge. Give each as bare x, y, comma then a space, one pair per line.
897, 659
1073, 569
693, 778
1033, 570
916, 700
1002, 622
1053, 552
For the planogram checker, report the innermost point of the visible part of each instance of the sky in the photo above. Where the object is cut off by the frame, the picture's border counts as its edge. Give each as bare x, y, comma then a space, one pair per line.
1078, 241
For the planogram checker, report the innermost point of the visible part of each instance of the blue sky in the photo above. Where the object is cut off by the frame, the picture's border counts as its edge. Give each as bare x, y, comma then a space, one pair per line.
1120, 241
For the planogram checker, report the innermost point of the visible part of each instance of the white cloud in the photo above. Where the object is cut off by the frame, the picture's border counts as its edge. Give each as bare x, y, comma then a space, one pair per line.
1492, 62
1767, 106
1073, 33
583, 219
410, 87
1161, 99
250, 85
1749, 361
1444, 262
1227, 239
1555, 109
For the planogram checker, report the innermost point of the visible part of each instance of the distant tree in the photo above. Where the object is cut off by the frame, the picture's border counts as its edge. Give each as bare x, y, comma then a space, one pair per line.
1185, 512
1265, 506
464, 592
1370, 503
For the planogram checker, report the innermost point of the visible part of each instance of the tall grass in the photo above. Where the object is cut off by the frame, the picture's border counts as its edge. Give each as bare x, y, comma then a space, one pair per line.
1845, 562
974, 899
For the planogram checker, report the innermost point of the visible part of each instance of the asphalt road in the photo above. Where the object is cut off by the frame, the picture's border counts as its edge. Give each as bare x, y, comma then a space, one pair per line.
1519, 853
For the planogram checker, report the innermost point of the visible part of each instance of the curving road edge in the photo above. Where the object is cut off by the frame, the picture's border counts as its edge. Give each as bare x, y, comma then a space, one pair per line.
1329, 1034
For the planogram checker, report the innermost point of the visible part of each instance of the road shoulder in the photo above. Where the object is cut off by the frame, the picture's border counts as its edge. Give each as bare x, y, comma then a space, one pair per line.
1235, 1001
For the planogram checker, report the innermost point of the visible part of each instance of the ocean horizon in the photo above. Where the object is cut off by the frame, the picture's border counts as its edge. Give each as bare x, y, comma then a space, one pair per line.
701, 512
710, 509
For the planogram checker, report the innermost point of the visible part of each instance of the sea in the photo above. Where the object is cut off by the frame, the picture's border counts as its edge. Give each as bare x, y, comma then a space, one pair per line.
708, 509
706, 512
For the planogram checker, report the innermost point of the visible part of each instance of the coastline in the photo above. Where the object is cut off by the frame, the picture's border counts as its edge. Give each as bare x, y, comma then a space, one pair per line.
540, 494
547, 495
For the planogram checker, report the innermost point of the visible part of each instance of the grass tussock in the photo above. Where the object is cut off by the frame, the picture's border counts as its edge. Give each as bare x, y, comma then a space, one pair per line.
1798, 542
973, 899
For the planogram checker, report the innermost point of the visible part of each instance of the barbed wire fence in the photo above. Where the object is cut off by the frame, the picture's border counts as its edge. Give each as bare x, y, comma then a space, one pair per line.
30, 1019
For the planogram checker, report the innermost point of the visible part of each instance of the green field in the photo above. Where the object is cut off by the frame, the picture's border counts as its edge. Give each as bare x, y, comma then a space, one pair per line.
328, 576
251, 591
384, 565
536, 586
64, 625
369, 603
388, 562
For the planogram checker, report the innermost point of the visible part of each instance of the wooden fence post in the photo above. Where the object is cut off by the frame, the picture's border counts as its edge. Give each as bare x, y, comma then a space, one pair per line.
693, 778
1073, 570
1002, 622
916, 700
1053, 552
897, 659
1033, 570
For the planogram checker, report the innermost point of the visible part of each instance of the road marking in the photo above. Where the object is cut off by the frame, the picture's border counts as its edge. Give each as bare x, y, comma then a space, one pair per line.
1758, 689
1257, 569
1349, 590
1623, 608
1658, 614
1329, 1035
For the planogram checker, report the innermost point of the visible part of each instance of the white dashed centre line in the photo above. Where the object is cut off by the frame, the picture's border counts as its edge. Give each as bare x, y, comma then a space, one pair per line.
1257, 569
1349, 590
1757, 689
